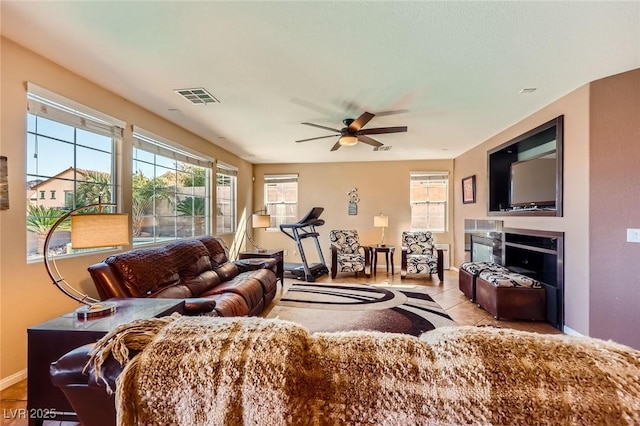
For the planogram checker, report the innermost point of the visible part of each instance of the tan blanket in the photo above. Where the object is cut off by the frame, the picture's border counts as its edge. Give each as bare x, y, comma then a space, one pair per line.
233, 371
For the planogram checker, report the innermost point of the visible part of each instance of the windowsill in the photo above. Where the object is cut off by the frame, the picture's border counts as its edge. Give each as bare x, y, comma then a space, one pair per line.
73, 255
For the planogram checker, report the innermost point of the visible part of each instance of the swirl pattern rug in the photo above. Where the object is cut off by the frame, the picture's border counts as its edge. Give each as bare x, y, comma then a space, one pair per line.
345, 307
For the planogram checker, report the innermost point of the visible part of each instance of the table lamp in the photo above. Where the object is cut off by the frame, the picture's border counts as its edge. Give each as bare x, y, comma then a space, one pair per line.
381, 221
259, 219
90, 230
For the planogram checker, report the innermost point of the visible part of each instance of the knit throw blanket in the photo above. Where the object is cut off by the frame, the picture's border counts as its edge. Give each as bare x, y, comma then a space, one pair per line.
253, 371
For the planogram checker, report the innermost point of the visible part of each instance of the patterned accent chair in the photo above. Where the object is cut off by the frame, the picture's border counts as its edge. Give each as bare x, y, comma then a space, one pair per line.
419, 255
347, 255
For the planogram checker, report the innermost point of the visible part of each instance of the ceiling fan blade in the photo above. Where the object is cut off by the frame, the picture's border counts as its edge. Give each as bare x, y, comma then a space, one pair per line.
359, 122
336, 146
381, 130
321, 127
319, 137
391, 112
369, 141
315, 107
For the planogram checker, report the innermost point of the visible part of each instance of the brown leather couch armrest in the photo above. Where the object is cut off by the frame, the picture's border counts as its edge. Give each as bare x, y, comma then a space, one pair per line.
199, 305
108, 282
69, 369
252, 264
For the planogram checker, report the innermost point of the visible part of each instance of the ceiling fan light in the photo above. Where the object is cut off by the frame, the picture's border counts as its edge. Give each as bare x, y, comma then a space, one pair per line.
348, 140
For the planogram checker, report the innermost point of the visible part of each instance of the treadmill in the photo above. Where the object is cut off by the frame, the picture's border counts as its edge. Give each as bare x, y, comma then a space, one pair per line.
305, 228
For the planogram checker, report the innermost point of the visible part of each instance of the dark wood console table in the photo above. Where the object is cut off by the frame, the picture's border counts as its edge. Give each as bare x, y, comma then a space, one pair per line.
50, 340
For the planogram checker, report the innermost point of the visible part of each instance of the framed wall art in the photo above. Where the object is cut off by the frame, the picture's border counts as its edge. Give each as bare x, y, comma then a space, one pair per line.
4, 184
469, 190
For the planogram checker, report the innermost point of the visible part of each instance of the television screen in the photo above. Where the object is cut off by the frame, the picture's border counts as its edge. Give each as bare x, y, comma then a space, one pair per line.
533, 181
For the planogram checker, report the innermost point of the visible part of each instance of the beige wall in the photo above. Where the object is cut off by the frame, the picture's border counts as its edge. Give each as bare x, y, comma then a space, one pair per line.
574, 223
382, 187
27, 296
601, 199
614, 206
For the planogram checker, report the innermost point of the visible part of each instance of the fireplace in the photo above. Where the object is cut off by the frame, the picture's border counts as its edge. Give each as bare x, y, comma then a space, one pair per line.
483, 240
539, 255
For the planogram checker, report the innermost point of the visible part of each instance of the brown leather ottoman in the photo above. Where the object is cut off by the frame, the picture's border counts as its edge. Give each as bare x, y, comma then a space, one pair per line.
469, 271
511, 295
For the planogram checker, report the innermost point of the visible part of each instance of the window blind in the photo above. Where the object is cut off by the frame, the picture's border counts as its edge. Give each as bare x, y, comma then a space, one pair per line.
49, 105
149, 142
292, 178
429, 176
223, 169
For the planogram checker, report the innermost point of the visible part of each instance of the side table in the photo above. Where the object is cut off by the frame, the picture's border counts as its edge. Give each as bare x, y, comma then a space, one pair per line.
276, 254
388, 252
50, 340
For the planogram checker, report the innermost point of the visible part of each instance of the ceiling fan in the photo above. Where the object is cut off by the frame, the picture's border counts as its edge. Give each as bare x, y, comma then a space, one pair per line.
353, 132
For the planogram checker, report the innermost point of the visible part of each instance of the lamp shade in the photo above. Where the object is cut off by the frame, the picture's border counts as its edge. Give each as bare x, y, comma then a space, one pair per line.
381, 221
348, 140
261, 221
99, 230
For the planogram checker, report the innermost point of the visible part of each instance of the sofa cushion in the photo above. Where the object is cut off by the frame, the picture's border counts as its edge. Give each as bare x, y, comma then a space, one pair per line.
175, 291
218, 251
227, 271
509, 279
191, 257
202, 282
474, 268
145, 271
230, 305
243, 285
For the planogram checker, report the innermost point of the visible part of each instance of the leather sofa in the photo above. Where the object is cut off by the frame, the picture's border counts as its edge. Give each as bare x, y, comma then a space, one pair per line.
192, 268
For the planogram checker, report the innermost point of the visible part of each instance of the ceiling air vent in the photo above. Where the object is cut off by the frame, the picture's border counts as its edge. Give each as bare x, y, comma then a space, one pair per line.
382, 148
197, 96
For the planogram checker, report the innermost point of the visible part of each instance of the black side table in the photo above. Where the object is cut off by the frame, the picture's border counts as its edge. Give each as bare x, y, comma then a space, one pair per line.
388, 252
276, 254
50, 340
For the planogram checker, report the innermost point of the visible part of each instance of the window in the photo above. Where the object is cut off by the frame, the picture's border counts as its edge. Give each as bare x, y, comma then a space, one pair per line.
68, 199
429, 199
70, 148
226, 178
281, 198
171, 195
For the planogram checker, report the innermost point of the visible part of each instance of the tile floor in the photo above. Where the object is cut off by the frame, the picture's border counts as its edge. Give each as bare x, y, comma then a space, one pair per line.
446, 294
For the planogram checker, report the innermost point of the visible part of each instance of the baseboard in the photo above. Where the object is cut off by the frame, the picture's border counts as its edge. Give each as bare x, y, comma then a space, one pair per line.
571, 332
454, 268
13, 379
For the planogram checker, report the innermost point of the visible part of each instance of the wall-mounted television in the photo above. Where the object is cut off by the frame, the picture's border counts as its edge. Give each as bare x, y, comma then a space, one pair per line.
525, 173
533, 181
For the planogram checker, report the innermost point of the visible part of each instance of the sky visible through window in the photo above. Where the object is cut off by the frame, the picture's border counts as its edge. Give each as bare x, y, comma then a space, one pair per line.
55, 150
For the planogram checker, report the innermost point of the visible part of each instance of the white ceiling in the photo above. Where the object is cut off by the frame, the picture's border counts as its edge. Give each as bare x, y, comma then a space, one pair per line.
457, 67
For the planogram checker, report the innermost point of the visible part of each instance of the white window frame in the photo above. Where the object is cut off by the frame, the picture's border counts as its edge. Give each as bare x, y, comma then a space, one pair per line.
147, 229
272, 208
231, 173
44, 104
426, 178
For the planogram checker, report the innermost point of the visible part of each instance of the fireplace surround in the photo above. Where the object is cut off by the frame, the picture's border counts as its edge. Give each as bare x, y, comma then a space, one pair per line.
539, 255
534, 253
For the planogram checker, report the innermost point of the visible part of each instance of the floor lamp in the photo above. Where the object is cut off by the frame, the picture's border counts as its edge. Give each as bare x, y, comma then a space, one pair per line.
259, 219
90, 230
381, 221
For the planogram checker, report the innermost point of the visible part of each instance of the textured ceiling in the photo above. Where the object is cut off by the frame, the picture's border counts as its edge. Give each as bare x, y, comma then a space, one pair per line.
457, 67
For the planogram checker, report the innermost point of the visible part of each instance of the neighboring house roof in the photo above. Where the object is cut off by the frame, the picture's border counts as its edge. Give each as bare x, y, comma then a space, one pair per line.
83, 172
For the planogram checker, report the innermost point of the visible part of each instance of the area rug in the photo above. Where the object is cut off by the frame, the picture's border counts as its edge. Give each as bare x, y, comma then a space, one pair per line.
330, 307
